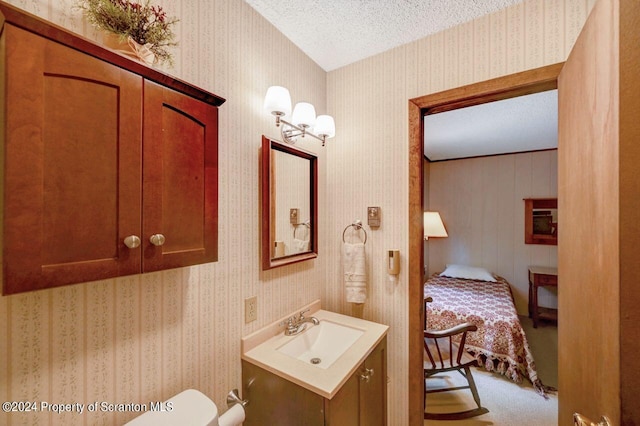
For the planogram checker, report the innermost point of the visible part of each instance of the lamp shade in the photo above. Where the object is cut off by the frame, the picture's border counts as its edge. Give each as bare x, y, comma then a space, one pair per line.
433, 226
304, 115
325, 126
277, 101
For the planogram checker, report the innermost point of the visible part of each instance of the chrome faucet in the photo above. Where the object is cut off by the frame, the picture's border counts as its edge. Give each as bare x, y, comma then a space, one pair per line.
295, 325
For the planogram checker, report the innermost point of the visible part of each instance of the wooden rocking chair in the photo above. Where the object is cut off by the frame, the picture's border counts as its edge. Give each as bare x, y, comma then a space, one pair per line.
442, 355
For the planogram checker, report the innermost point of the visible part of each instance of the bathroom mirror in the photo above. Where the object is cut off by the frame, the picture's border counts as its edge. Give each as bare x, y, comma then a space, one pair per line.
289, 204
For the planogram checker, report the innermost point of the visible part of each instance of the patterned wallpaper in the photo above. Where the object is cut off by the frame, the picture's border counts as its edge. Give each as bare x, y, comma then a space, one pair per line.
368, 159
147, 337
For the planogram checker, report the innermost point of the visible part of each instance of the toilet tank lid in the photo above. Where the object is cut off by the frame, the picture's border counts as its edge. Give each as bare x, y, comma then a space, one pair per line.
189, 407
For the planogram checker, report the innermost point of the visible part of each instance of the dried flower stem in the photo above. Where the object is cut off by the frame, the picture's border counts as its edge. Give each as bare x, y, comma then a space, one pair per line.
145, 24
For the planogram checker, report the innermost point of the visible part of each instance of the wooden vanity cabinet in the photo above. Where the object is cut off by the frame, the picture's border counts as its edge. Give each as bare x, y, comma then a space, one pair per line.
362, 399
95, 152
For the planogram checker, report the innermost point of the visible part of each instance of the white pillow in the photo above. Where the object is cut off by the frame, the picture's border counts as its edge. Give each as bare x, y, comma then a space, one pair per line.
468, 272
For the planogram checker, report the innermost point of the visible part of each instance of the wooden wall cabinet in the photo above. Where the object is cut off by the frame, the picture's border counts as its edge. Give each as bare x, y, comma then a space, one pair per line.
98, 148
362, 400
540, 221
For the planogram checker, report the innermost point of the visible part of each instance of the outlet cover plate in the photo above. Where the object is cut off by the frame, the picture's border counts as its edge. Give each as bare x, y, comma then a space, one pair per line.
250, 309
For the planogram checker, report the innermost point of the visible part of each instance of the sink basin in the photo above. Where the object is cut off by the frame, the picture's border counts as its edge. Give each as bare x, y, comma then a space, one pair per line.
321, 345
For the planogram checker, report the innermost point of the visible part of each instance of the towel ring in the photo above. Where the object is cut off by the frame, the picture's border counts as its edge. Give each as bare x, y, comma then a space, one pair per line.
295, 227
357, 224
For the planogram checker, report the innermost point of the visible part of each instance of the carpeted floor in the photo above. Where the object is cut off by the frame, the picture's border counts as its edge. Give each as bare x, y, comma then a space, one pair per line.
507, 402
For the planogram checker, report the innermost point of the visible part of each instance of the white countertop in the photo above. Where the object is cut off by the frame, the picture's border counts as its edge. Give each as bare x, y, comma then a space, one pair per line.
260, 348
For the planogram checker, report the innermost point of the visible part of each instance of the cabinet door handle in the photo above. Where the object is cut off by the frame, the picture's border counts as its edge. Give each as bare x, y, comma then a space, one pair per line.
366, 374
132, 241
157, 240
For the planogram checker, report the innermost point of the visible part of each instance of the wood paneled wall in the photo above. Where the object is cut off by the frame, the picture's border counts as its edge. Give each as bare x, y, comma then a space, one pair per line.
480, 202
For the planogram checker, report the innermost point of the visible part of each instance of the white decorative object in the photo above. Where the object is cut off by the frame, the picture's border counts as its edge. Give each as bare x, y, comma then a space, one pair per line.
129, 47
468, 272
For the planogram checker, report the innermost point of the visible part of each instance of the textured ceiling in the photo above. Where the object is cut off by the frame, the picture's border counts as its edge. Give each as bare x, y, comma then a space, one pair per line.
335, 33
525, 123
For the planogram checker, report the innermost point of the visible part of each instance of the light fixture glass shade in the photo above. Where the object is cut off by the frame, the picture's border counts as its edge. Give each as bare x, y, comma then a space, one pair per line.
304, 115
277, 101
433, 226
325, 126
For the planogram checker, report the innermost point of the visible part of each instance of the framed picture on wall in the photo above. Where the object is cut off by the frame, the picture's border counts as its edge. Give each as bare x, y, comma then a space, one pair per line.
540, 221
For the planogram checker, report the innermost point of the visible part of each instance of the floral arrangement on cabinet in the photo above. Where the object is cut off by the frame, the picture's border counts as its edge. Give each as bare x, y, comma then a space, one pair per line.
136, 29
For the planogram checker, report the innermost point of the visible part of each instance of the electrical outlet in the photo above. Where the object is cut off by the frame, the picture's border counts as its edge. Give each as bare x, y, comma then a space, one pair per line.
250, 309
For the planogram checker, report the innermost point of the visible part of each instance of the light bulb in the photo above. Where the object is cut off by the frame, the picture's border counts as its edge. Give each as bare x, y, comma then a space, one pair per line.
304, 115
325, 126
277, 101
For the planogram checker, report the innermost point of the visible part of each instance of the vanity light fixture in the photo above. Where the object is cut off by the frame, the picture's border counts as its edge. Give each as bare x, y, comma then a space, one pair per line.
303, 122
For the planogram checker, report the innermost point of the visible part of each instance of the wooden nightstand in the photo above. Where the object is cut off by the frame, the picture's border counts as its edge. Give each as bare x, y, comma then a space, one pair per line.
541, 276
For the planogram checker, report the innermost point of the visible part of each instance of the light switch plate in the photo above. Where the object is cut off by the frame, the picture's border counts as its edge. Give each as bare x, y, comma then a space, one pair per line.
250, 309
373, 216
293, 216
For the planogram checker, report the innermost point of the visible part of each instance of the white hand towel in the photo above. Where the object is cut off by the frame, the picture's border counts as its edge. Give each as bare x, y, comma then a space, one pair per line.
355, 279
300, 246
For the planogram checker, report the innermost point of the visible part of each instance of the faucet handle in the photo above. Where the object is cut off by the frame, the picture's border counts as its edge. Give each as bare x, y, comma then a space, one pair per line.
301, 317
288, 322
291, 326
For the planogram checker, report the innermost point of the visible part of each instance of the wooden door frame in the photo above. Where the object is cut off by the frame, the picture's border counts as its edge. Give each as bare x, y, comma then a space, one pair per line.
522, 83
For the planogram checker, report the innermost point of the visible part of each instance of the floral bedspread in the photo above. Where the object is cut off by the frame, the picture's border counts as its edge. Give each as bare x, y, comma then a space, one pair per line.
499, 344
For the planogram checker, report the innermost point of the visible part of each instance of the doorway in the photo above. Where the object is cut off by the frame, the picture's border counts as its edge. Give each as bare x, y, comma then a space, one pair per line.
524, 83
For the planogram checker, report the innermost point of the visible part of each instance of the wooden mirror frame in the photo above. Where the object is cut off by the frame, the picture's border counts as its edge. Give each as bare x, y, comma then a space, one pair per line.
538, 203
267, 205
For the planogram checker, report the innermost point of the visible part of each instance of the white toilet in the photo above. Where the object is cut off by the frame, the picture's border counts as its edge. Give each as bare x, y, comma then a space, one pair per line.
189, 407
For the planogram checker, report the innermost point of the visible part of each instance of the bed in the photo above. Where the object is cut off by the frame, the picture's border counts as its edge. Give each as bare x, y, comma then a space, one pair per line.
499, 344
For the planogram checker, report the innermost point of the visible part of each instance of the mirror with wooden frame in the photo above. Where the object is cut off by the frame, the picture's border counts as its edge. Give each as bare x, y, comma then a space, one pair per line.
289, 205
541, 221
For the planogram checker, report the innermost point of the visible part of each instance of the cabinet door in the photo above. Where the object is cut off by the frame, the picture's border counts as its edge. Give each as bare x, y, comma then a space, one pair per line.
275, 401
343, 408
362, 400
180, 179
71, 166
373, 392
